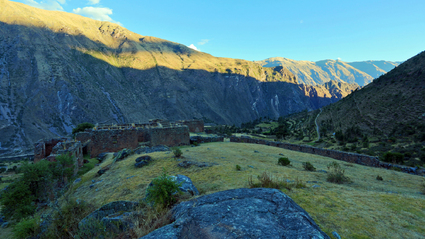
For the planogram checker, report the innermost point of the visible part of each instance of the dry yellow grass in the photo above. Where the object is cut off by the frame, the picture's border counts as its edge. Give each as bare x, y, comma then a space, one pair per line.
366, 208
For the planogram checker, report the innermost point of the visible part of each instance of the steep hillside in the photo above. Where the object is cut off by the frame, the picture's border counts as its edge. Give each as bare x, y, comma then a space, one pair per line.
392, 105
59, 69
320, 72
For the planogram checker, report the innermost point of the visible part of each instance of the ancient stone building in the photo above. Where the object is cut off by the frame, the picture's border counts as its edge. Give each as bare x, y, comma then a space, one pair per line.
113, 138
51, 148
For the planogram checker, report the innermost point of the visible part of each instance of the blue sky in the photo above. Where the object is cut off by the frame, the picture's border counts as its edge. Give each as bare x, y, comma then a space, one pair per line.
254, 30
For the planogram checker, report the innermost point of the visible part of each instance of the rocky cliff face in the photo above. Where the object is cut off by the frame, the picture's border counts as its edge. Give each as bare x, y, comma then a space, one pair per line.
59, 69
320, 72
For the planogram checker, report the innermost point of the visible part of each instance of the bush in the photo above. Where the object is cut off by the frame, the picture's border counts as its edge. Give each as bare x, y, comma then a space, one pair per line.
195, 143
283, 161
81, 127
27, 228
2, 170
391, 157
308, 166
38, 183
238, 168
163, 192
65, 220
177, 152
379, 178
336, 174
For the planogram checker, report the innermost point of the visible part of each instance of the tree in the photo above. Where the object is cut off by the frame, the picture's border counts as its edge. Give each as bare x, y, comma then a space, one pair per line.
81, 127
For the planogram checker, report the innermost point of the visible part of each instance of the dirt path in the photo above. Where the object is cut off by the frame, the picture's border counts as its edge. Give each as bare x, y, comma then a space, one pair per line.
317, 125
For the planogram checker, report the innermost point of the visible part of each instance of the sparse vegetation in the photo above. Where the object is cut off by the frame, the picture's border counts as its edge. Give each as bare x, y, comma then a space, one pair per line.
163, 192
336, 174
27, 228
393, 157
379, 178
268, 181
177, 152
283, 161
238, 168
308, 166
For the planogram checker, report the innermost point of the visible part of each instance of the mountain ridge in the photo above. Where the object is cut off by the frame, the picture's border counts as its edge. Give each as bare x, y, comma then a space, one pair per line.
60, 69
319, 72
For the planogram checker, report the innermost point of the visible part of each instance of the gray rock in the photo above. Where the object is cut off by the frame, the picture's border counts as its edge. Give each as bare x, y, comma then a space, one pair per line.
240, 213
316, 186
250, 166
112, 216
335, 234
122, 154
143, 161
255, 151
321, 171
101, 156
4, 224
77, 180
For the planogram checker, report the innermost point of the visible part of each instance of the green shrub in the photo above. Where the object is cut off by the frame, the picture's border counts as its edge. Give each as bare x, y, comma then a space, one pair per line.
391, 157
27, 228
81, 127
308, 166
238, 168
2, 170
37, 183
379, 178
163, 192
195, 143
336, 174
177, 152
283, 161
65, 220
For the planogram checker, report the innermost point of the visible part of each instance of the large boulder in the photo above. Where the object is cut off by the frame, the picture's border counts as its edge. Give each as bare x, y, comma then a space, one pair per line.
148, 150
240, 213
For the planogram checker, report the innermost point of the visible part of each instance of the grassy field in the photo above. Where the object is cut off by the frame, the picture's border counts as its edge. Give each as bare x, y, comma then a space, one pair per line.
365, 208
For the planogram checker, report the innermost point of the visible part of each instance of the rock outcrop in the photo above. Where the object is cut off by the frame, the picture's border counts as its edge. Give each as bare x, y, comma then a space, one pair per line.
240, 213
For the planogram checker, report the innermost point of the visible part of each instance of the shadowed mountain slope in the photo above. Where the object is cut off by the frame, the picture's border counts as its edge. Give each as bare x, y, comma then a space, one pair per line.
313, 73
392, 105
59, 69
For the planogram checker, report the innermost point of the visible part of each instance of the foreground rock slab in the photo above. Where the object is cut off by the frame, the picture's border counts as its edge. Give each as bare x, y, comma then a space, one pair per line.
240, 213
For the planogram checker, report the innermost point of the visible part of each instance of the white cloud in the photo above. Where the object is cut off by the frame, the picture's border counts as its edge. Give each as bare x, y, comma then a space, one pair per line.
193, 47
47, 5
93, 2
203, 42
96, 13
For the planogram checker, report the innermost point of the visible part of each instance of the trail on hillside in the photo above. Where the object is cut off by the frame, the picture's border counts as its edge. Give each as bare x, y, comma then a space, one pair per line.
317, 125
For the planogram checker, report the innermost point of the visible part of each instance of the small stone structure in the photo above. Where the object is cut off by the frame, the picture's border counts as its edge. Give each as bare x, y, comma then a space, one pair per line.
51, 148
113, 138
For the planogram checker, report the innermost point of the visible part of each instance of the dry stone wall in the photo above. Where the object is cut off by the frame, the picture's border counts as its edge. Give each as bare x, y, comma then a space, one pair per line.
173, 136
339, 155
195, 126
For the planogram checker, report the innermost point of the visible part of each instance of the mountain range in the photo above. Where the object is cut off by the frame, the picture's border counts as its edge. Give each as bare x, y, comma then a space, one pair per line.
59, 69
319, 72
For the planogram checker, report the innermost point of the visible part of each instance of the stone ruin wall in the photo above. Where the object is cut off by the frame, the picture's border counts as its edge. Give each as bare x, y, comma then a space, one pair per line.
195, 126
51, 148
116, 138
204, 139
339, 155
172, 136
